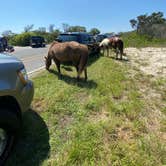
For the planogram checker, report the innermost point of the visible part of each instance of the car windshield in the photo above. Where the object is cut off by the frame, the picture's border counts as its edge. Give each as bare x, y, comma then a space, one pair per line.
37, 39
68, 37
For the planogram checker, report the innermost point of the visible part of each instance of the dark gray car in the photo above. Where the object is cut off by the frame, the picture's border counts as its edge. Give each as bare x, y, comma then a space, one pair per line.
16, 93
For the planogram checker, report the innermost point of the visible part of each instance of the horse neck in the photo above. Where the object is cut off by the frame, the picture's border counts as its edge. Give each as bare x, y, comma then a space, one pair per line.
49, 57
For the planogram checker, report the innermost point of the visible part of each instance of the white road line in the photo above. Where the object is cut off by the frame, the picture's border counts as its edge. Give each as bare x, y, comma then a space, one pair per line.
33, 71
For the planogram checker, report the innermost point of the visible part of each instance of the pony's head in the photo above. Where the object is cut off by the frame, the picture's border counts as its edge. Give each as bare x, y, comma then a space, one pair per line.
47, 62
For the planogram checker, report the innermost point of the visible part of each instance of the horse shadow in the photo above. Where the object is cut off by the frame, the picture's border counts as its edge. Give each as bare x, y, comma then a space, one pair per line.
93, 58
89, 84
124, 58
32, 146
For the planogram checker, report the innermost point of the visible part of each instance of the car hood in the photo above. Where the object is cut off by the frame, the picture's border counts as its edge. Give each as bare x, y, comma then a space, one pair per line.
5, 58
7, 61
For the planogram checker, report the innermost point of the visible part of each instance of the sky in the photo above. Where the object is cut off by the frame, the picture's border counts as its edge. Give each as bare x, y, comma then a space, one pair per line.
106, 15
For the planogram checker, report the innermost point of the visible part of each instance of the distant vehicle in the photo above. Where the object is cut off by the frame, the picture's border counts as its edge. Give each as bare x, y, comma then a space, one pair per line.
16, 93
4, 47
100, 37
80, 37
37, 41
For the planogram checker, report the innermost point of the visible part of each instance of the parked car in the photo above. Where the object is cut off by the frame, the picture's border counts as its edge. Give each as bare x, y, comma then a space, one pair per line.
80, 37
100, 37
37, 41
16, 93
4, 47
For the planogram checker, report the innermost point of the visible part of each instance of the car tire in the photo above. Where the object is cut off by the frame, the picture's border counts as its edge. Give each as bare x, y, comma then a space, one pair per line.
10, 126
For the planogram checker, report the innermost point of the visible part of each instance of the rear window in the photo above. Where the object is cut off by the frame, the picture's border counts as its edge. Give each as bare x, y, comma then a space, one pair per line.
34, 38
65, 37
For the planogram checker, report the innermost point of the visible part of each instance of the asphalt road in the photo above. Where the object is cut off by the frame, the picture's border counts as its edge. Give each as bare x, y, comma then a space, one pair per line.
33, 58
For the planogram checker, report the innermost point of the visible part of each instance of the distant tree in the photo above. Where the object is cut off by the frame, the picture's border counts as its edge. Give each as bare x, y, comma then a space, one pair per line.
28, 28
50, 37
7, 33
65, 27
51, 28
133, 23
145, 24
77, 29
94, 31
42, 29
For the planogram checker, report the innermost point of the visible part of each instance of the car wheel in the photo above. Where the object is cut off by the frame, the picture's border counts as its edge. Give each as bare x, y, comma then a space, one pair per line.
9, 126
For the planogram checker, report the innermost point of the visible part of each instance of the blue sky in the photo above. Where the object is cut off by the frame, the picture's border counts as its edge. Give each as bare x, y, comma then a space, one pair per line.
106, 15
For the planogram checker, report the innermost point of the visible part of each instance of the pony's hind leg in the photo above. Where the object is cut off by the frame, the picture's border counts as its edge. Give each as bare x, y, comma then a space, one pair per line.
85, 72
117, 52
107, 51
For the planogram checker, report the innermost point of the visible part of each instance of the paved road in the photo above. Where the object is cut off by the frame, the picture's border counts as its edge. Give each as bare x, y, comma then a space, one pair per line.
33, 58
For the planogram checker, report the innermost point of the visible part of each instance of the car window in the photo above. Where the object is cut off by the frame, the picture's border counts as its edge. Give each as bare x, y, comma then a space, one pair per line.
68, 37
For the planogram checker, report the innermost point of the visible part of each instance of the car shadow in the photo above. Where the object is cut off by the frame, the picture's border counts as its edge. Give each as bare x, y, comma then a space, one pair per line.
32, 146
89, 84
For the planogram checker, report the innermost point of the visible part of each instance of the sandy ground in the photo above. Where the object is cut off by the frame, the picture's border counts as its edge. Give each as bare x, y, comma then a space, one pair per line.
151, 61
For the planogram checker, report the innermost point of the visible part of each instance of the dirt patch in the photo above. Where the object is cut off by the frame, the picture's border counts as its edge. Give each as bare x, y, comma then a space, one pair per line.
146, 66
39, 104
151, 61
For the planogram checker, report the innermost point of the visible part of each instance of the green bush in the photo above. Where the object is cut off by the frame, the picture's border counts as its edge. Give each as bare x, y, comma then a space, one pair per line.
21, 39
133, 39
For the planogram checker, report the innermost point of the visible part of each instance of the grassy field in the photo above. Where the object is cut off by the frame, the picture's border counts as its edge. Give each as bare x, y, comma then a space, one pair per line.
132, 39
103, 121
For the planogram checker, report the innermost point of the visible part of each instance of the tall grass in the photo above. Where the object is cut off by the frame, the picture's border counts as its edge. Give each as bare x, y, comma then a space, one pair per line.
98, 122
132, 39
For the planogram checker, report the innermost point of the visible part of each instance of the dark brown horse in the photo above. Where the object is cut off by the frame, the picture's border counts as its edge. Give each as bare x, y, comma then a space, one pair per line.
117, 44
72, 52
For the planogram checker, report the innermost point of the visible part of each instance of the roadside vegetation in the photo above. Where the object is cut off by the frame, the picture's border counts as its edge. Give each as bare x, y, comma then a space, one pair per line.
133, 39
149, 30
104, 121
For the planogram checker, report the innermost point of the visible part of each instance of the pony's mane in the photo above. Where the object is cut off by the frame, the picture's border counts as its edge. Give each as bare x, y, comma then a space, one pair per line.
54, 42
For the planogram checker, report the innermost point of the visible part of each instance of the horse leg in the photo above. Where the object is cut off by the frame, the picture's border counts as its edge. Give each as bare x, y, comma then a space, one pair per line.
79, 73
76, 68
121, 54
121, 51
120, 48
57, 62
85, 72
107, 51
58, 67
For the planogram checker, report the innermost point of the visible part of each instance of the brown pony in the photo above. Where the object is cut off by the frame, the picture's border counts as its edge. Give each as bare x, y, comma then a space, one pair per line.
114, 43
117, 44
71, 52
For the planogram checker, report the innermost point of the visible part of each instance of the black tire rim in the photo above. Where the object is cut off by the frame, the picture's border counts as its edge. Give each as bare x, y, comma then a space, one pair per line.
3, 141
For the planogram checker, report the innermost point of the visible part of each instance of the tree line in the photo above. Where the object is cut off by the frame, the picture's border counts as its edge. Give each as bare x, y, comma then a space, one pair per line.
23, 39
154, 25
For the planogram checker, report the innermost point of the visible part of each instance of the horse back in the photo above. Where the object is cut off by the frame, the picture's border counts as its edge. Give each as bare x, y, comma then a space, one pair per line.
68, 51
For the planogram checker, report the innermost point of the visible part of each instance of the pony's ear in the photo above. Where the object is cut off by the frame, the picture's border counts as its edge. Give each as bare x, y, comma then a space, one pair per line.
45, 58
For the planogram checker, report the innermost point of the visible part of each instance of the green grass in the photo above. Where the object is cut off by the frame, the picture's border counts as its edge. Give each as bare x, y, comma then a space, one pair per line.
98, 122
132, 39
